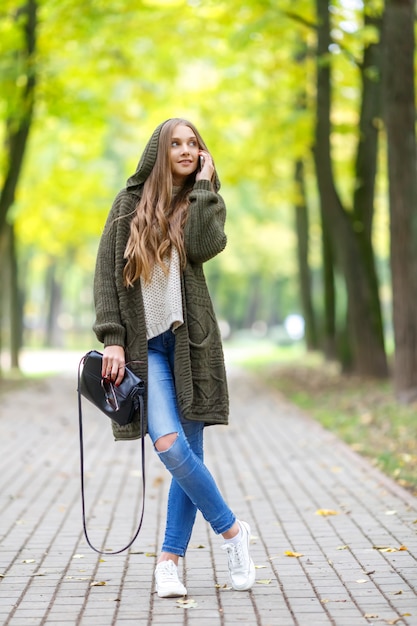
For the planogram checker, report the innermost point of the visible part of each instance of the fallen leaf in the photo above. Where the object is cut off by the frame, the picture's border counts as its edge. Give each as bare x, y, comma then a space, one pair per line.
187, 604
326, 512
324, 601
98, 583
260, 566
397, 593
78, 556
390, 549
294, 554
151, 554
369, 573
361, 581
343, 548
29, 561
264, 581
390, 512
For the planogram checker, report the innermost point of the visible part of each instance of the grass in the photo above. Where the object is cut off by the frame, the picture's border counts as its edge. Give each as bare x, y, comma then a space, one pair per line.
364, 413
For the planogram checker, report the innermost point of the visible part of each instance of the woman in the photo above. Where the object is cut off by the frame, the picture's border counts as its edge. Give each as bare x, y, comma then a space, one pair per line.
152, 305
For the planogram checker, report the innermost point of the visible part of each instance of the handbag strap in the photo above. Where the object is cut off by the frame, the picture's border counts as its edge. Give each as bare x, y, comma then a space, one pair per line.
81, 438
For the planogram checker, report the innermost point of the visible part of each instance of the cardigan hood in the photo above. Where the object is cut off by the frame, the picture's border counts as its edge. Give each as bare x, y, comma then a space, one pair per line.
135, 182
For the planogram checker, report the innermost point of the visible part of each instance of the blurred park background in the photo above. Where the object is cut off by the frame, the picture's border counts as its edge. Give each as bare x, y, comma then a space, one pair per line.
309, 111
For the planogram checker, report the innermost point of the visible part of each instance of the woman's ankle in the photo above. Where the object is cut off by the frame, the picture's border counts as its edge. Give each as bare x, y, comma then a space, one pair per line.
232, 532
168, 556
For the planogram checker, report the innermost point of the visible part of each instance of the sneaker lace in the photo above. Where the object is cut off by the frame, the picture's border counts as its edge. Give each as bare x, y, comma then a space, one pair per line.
168, 573
235, 556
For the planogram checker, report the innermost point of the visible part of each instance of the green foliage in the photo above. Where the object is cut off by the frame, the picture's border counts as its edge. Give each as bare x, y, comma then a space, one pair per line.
109, 72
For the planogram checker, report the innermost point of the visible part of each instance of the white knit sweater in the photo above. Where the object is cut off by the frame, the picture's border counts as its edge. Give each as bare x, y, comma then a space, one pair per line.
162, 299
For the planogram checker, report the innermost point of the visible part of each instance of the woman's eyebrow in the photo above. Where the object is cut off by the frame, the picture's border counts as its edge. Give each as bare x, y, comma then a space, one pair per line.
192, 138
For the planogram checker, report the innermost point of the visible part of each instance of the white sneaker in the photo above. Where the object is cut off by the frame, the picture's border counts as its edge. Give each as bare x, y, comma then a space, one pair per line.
241, 566
168, 585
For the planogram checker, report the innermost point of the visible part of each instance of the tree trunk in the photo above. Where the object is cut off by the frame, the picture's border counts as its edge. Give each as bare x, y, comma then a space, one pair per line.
328, 341
368, 350
302, 228
16, 138
54, 298
253, 298
16, 312
19, 123
399, 91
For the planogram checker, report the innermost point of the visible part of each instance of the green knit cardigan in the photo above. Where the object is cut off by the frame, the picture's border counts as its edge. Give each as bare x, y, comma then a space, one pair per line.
200, 376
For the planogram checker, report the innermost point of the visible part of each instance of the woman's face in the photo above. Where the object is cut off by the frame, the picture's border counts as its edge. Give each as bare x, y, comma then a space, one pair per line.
184, 153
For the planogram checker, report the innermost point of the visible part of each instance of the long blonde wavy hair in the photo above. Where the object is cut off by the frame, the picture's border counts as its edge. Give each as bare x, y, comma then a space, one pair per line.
160, 215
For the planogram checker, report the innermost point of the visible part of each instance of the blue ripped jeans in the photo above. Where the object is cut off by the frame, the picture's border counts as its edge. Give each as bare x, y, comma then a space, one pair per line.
192, 485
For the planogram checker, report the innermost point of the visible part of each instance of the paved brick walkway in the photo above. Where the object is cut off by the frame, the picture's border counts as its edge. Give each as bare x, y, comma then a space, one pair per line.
277, 469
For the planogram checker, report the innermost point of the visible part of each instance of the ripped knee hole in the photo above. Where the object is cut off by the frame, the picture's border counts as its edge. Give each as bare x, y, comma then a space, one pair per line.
165, 442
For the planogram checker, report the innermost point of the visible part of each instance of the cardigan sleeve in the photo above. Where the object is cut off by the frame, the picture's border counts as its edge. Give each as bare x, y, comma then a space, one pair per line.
108, 325
204, 234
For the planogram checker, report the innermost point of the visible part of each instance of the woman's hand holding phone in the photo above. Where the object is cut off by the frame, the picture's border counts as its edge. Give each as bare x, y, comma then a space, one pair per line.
206, 167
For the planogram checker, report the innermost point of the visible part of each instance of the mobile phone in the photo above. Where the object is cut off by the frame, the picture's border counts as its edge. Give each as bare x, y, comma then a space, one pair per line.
200, 162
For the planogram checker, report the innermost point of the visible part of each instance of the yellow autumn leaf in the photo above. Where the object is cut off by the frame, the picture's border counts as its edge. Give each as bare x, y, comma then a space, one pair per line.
342, 548
260, 566
371, 616
264, 581
98, 583
187, 603
390, 549
326, 512
294, 554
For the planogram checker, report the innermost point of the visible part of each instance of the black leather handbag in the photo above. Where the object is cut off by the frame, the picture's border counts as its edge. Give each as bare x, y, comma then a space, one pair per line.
119, 404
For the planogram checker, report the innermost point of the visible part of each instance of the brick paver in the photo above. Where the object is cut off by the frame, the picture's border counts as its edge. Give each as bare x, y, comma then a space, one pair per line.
276, 467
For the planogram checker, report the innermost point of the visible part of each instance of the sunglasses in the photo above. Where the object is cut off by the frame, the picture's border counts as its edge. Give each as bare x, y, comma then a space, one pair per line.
110, 394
